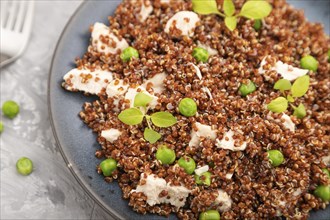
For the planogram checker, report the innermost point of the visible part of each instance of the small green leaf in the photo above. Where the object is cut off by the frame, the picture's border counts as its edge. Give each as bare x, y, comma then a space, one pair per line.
231, 23
256, 9
205, 7
300, 86
257, 24
228, 7
246, 89
290, 98
141, 100
300, 111
151, 135
131, 116
163, 119
278, 105
282, 85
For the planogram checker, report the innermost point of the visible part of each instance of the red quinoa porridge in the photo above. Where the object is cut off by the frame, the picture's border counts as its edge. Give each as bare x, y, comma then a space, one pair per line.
230, 134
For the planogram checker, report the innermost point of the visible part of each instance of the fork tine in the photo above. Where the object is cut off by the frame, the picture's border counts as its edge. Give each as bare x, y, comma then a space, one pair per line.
28, 17
4, 12
12, 15
20, 17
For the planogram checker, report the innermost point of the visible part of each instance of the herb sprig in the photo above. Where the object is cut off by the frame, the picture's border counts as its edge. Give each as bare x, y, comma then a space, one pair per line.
251, 10
290, 92
135, 116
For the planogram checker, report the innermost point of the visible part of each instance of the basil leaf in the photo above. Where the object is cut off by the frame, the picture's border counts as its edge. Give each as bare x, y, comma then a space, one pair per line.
290, 98
151, 135
256, 9
205, 7
163, 119
131, 116
278, 105
300, 86
282, 85
231, 23
300, 111
228, 7
141, 100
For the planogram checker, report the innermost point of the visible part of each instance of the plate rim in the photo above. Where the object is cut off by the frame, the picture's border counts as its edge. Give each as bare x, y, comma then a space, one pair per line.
77, 177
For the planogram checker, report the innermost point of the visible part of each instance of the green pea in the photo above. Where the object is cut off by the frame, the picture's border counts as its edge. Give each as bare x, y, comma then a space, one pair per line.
209, 215
128, 53
211, 164
24, 166
310, 63
165, 154
10, 109
108, 166
323, 192
1, 127
204, 178
276, 158
326, 171
200, 54
188, 164
246, 89
188, 107
257, 24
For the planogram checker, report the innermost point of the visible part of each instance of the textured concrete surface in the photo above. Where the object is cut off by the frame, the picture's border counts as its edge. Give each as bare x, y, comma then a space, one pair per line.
50, 192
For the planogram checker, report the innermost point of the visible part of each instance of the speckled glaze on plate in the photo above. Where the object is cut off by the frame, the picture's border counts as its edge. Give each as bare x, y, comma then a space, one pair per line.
75, 140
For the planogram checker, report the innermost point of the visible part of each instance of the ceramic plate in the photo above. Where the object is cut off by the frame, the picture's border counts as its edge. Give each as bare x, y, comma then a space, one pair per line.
76, 141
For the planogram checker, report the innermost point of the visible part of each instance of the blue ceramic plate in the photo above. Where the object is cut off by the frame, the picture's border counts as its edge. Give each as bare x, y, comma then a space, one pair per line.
76, 141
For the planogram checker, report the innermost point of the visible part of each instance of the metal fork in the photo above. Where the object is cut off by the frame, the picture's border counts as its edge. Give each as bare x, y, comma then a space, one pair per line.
16, 25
